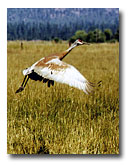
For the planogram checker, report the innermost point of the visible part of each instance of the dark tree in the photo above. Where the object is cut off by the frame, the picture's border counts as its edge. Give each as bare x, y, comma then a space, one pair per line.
108, 34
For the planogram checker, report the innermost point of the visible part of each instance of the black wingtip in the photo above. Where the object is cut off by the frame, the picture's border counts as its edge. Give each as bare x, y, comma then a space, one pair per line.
99, 83
20, 89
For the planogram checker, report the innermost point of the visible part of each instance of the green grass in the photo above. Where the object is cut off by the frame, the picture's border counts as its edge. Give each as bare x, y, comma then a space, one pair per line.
62, 119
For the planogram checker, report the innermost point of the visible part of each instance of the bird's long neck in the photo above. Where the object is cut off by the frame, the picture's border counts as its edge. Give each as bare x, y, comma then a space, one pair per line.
62, 55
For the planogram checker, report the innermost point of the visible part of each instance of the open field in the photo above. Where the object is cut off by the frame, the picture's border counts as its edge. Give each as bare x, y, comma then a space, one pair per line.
62, 119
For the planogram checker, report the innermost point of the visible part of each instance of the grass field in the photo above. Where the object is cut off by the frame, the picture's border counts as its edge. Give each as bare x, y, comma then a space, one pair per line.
62, 119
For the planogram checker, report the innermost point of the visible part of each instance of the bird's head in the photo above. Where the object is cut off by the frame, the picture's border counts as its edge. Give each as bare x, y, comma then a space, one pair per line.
79, 42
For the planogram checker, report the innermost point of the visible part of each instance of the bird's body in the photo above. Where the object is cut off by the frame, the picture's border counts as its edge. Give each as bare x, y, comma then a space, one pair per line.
51, 68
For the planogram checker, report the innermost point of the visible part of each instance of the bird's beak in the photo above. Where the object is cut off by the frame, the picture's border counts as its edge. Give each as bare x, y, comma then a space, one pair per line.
85, 43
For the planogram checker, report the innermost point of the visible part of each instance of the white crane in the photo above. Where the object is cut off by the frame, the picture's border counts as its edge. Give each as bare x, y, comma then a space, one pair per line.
51, 68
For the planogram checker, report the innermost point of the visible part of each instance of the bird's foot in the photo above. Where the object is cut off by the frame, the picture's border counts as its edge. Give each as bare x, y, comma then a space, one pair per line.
20, 89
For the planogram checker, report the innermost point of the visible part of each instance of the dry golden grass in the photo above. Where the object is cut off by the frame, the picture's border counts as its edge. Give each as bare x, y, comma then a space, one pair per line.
62, 119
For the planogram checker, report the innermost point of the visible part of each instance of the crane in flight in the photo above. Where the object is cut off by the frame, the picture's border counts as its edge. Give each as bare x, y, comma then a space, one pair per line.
51, 68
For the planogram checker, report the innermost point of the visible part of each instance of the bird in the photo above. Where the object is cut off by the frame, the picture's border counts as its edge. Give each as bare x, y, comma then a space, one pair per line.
51, 68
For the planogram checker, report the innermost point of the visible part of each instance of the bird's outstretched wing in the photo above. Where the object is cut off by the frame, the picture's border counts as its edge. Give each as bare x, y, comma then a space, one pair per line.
62, 72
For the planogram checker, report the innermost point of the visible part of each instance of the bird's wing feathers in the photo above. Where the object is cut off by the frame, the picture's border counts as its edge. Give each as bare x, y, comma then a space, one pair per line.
63, 73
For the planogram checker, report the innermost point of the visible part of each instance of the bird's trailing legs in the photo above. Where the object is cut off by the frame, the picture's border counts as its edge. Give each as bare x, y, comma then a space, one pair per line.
26, 78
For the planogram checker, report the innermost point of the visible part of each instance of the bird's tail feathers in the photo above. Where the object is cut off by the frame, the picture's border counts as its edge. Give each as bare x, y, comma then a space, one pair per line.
27, 71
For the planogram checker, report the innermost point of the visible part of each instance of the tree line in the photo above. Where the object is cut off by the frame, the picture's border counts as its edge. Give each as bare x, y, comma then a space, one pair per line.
47, 31
96, 36
38, 31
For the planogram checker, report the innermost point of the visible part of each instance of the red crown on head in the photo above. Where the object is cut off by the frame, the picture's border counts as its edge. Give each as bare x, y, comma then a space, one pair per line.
80, 40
